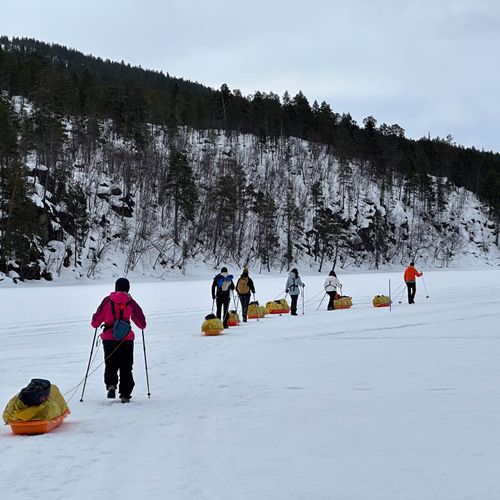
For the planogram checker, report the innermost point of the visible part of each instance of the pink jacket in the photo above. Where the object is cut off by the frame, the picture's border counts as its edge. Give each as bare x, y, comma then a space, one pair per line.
131, 311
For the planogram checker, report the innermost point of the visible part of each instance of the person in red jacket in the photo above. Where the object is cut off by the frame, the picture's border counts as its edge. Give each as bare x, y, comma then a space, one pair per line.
410, 279
118, 354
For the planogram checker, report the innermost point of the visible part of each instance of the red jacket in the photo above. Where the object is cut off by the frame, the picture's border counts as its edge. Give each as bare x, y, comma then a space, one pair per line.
411, 273
131, 311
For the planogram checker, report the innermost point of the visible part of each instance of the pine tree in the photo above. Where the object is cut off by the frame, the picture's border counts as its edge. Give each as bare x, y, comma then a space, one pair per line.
180, 186
78, 227
224, 203
18, 218
292, 226
267, 239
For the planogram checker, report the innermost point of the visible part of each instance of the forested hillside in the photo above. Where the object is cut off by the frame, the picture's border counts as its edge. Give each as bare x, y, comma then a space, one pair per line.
104, 166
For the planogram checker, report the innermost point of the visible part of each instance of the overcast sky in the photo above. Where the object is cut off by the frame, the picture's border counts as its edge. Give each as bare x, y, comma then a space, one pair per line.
430, 66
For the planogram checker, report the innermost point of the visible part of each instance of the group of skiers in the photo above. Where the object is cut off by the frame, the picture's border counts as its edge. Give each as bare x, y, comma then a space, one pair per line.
223, 287
332, 284
118, 309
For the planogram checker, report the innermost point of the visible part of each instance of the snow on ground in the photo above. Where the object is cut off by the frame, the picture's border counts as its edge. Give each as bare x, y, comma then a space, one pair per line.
356, 404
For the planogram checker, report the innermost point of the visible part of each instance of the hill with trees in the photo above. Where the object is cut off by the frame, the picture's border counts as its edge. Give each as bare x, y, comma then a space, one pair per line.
100, 158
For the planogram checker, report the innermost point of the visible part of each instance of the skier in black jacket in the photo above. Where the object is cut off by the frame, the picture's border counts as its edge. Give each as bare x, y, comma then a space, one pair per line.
222, 286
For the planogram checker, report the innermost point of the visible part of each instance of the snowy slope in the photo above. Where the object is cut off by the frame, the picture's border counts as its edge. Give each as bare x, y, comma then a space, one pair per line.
354, 404
259, 202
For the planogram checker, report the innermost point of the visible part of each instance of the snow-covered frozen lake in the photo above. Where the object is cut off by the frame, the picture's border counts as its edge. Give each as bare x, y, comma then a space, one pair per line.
356, 404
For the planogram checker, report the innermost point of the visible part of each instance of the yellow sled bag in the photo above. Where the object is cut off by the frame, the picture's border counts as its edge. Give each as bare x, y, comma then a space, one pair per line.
36, 409
381, 301
344, 302
233, 319
212, 326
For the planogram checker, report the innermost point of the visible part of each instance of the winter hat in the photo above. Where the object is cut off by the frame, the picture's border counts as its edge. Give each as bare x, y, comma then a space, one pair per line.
332, 273
245, 272
412, 263
296, 271
122, 285
223, 270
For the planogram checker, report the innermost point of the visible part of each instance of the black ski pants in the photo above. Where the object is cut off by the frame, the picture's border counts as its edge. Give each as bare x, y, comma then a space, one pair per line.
293, 308
412, 290
331, 303
222, 303
245, 300
119, 357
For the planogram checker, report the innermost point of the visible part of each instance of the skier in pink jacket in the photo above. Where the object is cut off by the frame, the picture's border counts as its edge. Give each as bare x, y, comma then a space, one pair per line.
120, 307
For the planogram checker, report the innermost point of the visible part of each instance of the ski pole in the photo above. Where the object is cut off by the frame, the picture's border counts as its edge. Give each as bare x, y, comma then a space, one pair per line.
88, 366
146, 363
303, 300
225, 307
213, 305
255, 300
322, 299
390, 297
425, 288
235, 303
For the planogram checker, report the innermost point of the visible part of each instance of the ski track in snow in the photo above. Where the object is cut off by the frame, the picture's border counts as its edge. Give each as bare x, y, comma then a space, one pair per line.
351, 404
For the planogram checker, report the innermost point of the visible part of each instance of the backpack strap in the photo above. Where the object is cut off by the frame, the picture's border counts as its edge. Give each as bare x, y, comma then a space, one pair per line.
122, 309
113, 310
126, 304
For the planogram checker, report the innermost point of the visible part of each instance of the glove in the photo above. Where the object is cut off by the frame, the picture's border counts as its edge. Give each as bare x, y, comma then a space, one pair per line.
213, 297
303, 285
286, 291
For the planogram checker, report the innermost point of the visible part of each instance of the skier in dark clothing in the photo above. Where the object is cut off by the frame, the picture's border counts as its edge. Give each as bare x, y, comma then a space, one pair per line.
222, 286
293, 285
244, 287
118, 354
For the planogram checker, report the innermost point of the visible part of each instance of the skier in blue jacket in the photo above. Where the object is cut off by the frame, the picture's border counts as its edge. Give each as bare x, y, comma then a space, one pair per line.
222, 286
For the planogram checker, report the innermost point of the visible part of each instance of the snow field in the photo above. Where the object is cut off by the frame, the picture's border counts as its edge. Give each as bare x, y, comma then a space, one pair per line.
351, 404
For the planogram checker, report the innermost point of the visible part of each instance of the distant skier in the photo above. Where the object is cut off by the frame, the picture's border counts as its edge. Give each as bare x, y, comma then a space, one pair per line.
244, 287
222, 286
293, 285
410, 279
331, 285
115, 312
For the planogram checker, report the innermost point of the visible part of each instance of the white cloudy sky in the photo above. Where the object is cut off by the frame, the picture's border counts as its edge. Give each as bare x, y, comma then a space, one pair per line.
430, 66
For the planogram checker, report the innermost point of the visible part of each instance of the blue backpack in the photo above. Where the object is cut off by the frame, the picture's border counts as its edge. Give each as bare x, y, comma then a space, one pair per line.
224, 283
121, 327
